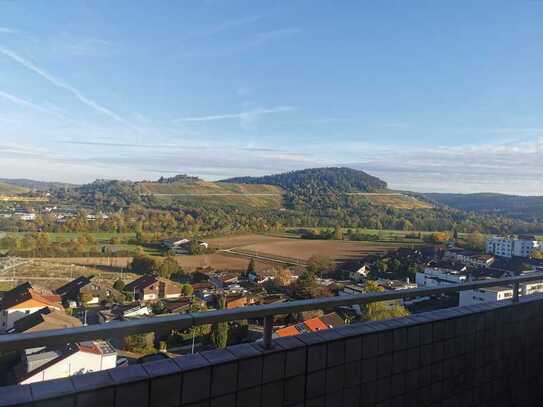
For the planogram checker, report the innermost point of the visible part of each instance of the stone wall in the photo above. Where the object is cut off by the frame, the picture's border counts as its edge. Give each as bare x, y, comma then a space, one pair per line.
483, 355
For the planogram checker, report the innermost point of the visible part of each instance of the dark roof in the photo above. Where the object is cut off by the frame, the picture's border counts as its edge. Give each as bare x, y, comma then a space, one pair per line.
25, 292
142, 282
333, 320
29, 321
44, 319
354, 265
12, 296
172, 307
72, 288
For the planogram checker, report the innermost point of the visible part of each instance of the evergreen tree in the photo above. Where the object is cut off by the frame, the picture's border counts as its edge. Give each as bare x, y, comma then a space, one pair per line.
219, 330
251, 268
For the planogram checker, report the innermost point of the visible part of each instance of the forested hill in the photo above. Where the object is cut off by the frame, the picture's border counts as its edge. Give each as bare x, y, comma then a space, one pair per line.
319, 180
318, 189
528, 208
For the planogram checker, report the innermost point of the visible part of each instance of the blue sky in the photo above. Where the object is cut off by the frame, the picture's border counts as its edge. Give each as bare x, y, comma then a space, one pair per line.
430, 96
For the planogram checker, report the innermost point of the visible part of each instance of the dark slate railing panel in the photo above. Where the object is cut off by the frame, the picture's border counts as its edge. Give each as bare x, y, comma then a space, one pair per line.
483, 355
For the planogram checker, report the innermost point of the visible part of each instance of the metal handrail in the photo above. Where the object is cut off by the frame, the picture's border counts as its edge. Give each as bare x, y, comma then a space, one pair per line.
185, 321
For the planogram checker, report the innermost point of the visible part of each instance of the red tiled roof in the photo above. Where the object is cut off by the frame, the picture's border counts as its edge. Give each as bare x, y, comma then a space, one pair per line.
287, 331
315, 324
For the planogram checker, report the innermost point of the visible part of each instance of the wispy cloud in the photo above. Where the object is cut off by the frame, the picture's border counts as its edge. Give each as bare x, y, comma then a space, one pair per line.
245, 117
25, 103
63, 85
7, 30
468, 168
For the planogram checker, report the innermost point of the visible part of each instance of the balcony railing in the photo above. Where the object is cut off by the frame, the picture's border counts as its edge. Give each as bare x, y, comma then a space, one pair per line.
266, 312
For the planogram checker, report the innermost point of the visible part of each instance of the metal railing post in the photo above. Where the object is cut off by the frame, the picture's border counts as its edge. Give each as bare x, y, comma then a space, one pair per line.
516, 288
268, 329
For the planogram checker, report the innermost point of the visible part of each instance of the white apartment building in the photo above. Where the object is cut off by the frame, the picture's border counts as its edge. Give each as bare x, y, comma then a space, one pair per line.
523, 246
471, 297
434, 277
488, 294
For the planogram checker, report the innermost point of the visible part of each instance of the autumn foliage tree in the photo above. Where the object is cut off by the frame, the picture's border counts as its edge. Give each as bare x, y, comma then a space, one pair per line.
377, 311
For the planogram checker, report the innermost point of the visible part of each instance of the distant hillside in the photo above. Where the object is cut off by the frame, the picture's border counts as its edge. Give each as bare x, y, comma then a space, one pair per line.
520, 207
7, 189
326, 180
318, 188
320, 197
197, 192
102, 194
29, 184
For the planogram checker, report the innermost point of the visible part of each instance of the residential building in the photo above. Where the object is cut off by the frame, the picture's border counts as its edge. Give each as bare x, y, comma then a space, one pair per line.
177, 307
43, 320
40, 364
359, 274
101, 291
325, 322
510, 246
22, 301
182, 245
525, 245
488, 294
238, 301
441, 274
498, 293
222, 280
203, 291
469, 258
393, 285
260, 277
500, 246
125, 311
72, 291
152, 287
